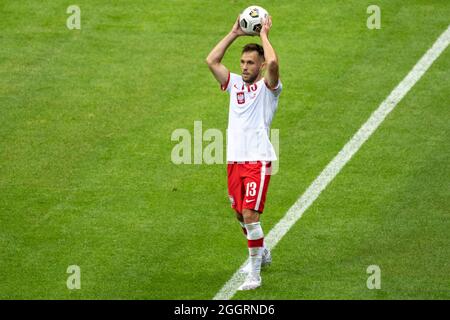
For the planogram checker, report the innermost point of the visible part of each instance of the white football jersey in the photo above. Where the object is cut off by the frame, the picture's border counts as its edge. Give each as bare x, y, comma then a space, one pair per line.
250, 115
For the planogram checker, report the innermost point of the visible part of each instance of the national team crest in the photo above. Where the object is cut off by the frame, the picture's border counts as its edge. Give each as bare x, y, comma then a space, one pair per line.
240, 97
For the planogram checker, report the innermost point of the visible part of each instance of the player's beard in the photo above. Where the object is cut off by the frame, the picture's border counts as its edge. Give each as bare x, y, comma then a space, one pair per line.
251, 79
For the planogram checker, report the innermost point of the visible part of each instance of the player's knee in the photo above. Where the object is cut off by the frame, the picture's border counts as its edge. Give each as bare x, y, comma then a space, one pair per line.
250, 216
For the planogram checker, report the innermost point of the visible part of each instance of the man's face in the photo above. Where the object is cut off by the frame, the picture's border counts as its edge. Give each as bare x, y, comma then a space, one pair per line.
251, 65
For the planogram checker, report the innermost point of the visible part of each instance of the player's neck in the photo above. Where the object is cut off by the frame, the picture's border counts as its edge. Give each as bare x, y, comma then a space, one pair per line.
256, 80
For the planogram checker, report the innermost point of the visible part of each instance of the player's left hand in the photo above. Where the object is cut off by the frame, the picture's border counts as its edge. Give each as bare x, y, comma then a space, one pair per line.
267, 24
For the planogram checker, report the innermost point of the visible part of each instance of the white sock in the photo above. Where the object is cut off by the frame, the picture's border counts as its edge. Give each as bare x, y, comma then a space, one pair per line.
255, 238
255, 258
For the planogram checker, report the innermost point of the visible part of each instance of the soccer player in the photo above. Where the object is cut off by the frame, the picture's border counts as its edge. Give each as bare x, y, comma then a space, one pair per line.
253, 101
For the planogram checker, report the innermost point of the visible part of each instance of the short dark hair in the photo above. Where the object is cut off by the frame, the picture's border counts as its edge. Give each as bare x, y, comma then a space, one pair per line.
254, 47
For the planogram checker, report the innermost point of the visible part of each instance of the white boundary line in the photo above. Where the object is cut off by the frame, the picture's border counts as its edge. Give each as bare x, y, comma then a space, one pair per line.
339, 161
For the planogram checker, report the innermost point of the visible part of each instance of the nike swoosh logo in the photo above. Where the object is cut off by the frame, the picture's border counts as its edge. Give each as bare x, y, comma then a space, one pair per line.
248, 201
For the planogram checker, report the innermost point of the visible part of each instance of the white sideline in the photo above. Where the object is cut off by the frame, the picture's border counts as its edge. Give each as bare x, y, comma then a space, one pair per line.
339, 161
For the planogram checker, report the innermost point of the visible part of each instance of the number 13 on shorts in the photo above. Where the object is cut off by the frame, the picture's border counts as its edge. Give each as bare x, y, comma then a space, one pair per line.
250, 191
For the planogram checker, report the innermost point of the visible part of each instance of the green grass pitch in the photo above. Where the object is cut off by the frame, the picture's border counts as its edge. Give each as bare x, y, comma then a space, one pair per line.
86, 176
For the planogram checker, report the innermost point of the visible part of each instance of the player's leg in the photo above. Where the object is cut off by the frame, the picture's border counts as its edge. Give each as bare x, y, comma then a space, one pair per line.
236, 194
257, 178
256, 182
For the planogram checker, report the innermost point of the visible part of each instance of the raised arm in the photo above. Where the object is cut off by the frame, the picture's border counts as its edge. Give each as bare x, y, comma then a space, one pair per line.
272, 70
214, 58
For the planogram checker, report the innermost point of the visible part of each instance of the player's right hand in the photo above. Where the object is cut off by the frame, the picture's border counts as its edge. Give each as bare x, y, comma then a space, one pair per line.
237, 28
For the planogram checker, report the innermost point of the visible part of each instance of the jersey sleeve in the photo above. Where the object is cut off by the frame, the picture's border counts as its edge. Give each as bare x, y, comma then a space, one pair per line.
275, 90
232, 79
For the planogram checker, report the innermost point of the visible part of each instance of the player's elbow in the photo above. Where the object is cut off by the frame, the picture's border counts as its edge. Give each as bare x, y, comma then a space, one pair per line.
210, 61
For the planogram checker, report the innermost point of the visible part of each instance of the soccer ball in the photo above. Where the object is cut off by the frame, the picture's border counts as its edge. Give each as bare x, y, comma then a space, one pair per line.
251, 19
